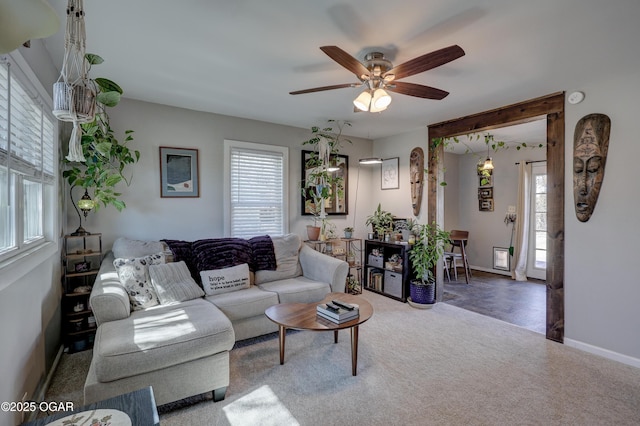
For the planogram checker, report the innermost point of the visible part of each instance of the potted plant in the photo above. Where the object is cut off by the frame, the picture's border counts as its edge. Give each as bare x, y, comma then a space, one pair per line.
353, 285
351, 258
348, 232
424, 256
105, 157
381, 221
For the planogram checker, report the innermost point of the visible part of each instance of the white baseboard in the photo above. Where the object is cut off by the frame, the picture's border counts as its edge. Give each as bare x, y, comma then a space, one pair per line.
491, 270
39, 394
605, 353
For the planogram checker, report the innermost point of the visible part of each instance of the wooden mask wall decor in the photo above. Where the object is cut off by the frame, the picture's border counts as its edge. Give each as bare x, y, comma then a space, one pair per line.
416, 176
590, 146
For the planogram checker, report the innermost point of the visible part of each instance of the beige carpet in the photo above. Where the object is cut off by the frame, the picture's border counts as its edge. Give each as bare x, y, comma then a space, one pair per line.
443, 366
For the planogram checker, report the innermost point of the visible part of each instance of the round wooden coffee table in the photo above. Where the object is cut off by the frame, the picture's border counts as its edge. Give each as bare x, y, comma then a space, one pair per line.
303, 316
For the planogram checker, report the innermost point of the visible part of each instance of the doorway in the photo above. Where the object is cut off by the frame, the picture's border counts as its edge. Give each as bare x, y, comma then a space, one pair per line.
550, 107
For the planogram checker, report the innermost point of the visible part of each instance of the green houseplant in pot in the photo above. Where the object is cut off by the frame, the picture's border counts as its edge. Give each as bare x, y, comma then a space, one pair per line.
381, 221
424, 255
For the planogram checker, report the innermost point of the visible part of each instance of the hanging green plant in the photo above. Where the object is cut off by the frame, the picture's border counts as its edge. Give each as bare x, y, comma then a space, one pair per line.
106, 158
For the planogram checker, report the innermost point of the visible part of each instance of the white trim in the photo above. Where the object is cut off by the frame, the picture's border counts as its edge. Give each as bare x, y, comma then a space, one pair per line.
605, 353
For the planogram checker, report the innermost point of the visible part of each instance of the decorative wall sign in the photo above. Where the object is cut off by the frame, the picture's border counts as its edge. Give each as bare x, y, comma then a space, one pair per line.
590, 147
389, 175
416, 177
179, 172
337, 203
501, 258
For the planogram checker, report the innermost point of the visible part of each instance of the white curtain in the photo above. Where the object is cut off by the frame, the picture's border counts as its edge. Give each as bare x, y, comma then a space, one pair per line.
521, 244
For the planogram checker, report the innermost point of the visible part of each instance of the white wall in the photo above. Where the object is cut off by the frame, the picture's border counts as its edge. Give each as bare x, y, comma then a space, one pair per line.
600, 281
150, 217
30, 293
398, 201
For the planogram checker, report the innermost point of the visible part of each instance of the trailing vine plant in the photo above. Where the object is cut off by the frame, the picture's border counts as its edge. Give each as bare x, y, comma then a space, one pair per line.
106, 158
448, 143
320, 183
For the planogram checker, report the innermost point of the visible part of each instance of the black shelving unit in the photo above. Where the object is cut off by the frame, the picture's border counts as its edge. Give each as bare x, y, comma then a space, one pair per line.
384, 276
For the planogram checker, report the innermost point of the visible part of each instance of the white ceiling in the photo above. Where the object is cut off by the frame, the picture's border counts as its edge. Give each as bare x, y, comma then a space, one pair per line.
243, 57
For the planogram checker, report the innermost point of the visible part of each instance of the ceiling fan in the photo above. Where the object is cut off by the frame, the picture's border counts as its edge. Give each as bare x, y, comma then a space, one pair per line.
378, 75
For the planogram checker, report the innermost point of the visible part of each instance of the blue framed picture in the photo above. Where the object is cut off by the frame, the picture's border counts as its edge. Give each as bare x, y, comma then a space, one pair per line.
179, 172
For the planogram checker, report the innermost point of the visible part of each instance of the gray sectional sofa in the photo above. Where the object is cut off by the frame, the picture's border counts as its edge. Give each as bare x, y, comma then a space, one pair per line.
182, 348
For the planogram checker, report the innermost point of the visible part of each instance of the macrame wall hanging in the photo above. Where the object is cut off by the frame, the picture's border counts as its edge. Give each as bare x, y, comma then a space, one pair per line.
73, 93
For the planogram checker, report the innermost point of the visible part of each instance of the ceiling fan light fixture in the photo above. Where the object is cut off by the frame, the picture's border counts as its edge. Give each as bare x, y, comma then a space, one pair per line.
381, 100
363, 100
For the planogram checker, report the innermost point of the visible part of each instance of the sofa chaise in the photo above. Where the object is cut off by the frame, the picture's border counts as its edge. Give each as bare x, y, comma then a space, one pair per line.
179, 344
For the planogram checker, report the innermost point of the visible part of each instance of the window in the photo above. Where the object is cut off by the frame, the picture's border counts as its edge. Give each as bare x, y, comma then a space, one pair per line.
27, 159
256, 177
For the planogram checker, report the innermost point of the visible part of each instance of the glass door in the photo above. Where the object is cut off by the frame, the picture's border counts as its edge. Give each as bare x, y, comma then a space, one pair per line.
537, 261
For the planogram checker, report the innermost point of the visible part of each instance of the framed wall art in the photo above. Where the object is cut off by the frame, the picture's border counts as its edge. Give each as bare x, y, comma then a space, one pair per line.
179, 176
501, 259
486, 205
485, 181
337, 203
389, 174
485, 193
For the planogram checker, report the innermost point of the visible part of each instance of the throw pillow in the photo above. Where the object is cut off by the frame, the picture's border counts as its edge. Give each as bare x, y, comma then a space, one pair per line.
173, 283
134, 276
286, 249
218, 281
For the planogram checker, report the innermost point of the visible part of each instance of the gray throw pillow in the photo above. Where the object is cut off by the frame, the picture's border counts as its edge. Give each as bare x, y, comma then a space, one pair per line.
173, 283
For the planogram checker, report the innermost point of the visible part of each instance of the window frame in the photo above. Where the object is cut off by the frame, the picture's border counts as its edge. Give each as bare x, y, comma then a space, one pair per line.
22, 249
229, 145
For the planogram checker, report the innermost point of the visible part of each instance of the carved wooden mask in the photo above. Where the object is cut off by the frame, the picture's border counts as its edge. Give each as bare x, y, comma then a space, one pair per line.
416, 175
590, 146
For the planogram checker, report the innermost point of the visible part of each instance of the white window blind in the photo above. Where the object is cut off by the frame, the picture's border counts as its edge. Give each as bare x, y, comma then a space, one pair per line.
27, 159
257, 179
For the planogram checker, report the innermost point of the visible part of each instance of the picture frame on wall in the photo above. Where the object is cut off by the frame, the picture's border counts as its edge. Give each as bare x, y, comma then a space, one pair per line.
485, 181
338, 203
501, 259
179, 174
485, 193
485, 205
389, 174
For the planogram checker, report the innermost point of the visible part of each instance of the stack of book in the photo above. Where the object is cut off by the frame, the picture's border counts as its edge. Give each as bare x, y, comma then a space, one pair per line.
337, 311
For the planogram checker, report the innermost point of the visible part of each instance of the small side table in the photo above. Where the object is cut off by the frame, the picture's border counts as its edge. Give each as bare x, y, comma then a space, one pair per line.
139, 405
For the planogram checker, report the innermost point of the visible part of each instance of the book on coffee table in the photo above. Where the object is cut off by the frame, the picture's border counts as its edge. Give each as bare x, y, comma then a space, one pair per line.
337, 315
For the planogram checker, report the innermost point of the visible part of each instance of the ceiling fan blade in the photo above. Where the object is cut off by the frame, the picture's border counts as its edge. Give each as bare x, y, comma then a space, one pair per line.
426, 62
346, 60
320, 89
417, 90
